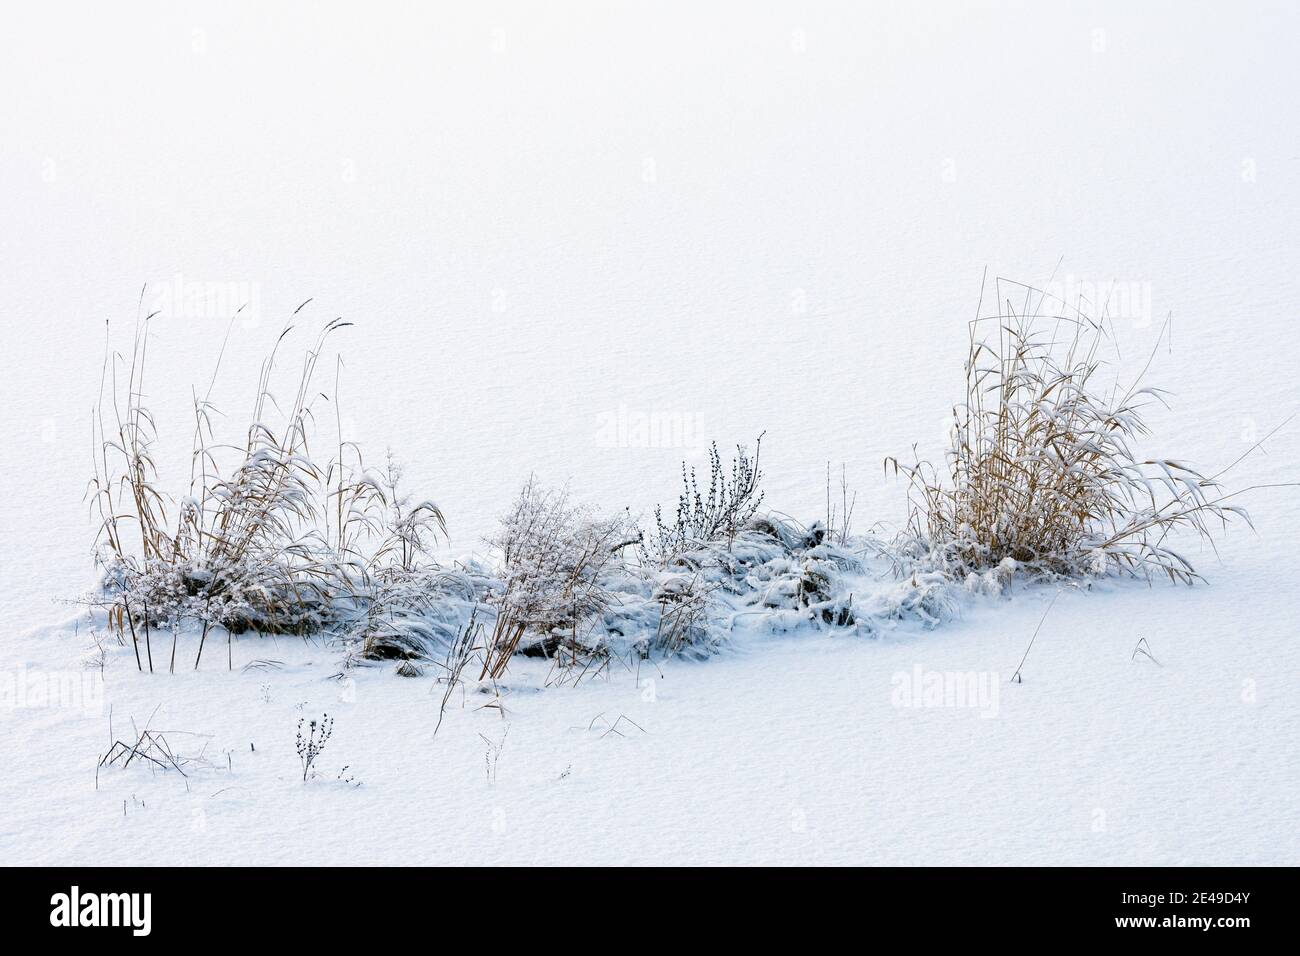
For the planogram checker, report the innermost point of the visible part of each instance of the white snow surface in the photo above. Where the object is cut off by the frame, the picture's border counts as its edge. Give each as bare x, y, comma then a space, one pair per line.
550, 223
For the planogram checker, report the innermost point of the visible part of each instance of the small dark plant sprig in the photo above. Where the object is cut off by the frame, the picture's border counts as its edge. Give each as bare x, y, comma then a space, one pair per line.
311, 744
712, 516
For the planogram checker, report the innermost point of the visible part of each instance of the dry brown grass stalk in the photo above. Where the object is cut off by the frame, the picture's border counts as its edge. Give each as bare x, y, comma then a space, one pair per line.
1043, 471
277, 543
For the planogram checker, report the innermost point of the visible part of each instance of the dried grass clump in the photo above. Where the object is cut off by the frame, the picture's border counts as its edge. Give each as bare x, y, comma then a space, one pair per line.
282, 542
409, 614
553, 555
1042, 472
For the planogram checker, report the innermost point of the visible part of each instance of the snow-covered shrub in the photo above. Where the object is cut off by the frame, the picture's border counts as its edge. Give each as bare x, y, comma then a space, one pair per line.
775, 576
807, 579
684, 608
403, 604
553, 555
412, 614
927, 597
713, 516
1042, 470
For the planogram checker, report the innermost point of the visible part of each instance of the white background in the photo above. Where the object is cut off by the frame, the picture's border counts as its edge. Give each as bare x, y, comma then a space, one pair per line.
756, 216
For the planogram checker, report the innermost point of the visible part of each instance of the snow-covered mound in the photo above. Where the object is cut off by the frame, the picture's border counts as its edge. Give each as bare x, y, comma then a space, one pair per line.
774, 577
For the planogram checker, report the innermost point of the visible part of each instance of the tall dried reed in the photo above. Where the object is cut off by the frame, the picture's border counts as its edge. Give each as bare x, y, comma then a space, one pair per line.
1042, 471
276, 543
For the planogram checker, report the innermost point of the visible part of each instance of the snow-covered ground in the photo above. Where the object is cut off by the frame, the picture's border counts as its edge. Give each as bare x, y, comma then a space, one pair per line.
551, 225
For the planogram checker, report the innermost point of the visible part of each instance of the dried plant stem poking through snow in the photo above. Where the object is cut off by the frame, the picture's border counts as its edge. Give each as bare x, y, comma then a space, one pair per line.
311, 744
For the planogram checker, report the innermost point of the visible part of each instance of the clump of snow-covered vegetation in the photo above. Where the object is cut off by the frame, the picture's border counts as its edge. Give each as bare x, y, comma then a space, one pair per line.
279, 541
1043, 474
289, 531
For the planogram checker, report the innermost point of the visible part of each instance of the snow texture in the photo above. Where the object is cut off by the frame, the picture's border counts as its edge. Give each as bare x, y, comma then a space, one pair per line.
581, 245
